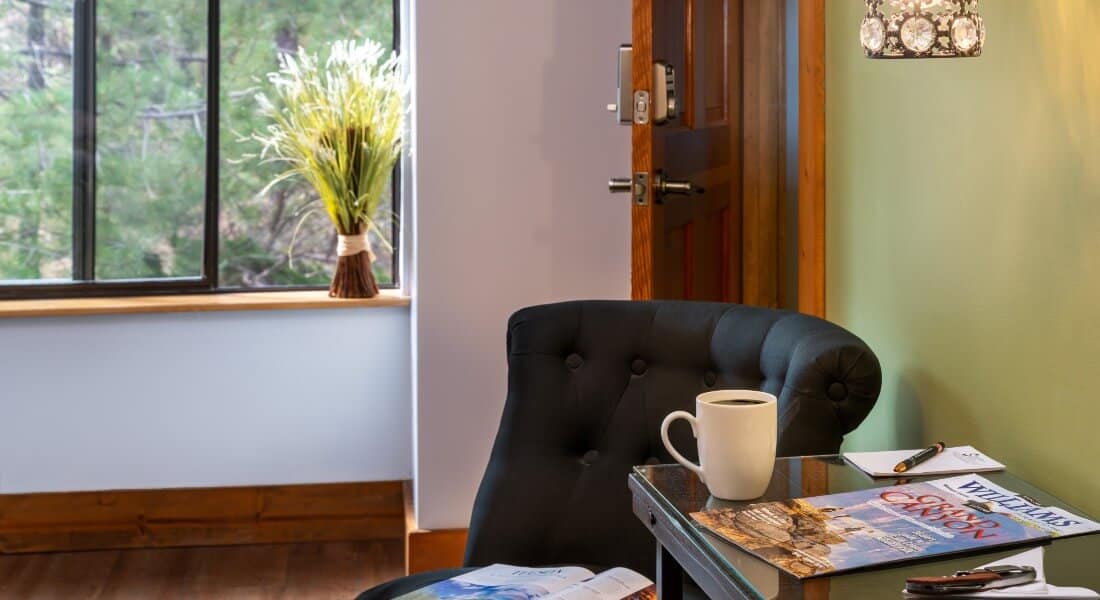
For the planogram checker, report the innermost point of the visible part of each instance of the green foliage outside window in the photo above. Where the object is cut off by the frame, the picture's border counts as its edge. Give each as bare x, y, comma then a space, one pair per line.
151, 122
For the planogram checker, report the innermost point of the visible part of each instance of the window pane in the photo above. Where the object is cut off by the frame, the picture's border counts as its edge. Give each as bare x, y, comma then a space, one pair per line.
150, 134
36, 147
259, 246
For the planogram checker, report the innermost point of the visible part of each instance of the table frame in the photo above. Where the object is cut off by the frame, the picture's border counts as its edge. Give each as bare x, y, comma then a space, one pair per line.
679, 553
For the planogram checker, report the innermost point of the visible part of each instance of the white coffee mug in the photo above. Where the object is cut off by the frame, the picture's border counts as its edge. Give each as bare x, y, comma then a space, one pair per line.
736, 431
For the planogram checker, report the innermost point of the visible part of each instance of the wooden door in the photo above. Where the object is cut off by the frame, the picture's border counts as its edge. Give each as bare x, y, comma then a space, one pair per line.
727, 241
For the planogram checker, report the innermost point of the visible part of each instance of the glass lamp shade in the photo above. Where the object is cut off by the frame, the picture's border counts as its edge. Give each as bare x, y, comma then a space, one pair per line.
922, 29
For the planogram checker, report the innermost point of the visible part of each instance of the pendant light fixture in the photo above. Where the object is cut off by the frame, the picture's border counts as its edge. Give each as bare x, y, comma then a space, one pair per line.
922, 29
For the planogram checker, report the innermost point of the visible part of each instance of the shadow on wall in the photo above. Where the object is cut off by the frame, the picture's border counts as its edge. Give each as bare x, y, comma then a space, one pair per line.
582, 196
919, 393
898, 418
908, 413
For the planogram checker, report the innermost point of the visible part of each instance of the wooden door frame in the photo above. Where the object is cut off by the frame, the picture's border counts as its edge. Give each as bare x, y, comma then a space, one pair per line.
811, 160
642, 248
811, 157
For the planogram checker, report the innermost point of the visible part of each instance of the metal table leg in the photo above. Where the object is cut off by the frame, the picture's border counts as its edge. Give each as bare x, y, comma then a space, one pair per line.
670, 576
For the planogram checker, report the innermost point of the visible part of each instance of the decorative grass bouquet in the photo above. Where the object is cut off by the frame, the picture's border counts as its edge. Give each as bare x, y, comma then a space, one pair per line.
338, 124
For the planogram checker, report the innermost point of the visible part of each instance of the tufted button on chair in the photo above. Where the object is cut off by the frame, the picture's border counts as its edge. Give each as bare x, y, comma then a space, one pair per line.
588, 385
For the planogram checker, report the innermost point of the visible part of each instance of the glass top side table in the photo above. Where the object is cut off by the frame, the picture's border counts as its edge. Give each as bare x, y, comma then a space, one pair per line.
665, 495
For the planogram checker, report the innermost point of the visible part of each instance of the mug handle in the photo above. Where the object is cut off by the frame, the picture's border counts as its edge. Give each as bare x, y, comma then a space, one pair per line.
690, 418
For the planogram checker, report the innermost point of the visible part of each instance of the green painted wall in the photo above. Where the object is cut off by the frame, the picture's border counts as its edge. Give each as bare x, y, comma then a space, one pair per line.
964, 238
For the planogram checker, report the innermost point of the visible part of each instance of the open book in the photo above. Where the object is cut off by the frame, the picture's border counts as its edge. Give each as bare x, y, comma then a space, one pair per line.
508, 582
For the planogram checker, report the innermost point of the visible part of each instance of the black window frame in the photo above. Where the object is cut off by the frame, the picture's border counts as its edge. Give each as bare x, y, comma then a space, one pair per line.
83, 282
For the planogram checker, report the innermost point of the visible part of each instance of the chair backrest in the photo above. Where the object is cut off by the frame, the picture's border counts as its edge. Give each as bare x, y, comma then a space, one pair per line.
588, 385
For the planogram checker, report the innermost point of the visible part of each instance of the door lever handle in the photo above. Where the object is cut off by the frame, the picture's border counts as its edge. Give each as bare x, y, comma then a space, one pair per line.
680, 188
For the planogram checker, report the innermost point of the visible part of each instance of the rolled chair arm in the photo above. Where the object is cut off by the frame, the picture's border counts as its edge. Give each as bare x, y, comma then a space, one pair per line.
831, 380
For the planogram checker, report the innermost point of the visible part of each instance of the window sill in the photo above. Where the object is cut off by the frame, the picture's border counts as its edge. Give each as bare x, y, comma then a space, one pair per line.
281, 300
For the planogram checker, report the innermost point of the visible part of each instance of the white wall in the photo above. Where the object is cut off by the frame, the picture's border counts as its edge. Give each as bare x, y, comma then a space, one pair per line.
514, 147
204, 399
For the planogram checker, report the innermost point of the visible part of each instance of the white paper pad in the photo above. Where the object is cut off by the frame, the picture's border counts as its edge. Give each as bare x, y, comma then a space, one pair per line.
1036, 589
957, 459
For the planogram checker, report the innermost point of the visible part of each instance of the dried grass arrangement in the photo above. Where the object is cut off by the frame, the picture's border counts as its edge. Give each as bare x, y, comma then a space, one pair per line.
338, 124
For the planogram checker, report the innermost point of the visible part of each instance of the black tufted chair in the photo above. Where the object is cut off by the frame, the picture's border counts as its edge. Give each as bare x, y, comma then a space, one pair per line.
588, 385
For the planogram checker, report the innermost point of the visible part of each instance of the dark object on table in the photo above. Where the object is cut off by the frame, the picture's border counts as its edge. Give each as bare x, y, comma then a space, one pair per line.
974, 580
588, 385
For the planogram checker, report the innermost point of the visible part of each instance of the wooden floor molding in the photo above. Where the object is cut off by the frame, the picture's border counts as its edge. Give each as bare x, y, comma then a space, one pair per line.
313, 571
435, 549
410, 520
202, 517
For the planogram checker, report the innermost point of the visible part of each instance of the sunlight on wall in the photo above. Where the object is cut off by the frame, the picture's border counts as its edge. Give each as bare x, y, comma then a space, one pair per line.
1066, 47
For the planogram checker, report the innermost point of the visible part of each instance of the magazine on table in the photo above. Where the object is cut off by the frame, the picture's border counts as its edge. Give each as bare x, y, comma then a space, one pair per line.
822, 535
507, 582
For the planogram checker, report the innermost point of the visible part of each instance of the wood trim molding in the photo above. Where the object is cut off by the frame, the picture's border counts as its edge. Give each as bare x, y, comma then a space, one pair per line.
643, 250
201, 517
410, 518
811, 157
281, 300
436, 549
763, 123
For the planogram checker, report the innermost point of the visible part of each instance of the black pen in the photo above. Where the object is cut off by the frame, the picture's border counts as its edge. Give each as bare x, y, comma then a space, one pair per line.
919, 457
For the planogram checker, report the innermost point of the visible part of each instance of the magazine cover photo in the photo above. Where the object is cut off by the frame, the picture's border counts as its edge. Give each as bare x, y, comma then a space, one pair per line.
827, 534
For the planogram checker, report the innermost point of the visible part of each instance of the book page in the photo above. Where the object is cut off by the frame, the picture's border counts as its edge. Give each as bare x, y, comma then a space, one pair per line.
613, 584
503, 581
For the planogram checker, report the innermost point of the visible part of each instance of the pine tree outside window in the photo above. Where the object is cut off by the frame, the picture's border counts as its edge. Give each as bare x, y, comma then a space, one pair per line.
156, 193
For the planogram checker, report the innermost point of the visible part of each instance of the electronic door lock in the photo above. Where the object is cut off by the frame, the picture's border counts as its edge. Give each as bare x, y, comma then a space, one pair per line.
639, 107
624, 105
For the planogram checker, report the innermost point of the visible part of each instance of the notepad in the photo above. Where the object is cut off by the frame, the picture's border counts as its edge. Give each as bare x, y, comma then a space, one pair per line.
956, 459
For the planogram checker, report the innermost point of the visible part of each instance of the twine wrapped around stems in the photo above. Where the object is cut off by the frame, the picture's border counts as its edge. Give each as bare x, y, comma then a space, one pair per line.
350, 245
354, 277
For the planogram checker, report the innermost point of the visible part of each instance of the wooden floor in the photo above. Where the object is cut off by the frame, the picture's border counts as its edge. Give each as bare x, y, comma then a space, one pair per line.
306, 571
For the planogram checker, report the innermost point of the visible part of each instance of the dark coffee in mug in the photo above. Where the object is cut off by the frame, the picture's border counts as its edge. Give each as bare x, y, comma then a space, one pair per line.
737, 402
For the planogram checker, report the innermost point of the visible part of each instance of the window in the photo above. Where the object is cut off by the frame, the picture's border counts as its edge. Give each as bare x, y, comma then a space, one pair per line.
157, 192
